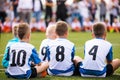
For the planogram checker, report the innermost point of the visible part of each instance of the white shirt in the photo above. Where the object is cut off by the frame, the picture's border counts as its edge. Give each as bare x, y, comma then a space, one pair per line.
75, 24
96, 52
37, 5
25, 4
87, 24
43, 49
116, 24
61, 54
20, 56
41, 24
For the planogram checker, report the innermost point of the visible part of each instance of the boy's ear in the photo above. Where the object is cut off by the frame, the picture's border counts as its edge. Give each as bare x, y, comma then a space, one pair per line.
93, 35
28, 35
105, 34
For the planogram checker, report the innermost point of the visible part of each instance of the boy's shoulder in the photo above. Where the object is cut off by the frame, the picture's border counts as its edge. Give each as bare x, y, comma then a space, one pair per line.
23, 44
12, 41
64, 41
96, 40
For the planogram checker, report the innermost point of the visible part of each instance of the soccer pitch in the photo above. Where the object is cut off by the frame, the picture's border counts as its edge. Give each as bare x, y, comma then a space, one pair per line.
78, 38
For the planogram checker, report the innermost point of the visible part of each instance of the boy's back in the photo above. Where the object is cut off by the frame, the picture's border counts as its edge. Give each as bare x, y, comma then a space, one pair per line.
61, 56
61, 52
96, 52
21, 55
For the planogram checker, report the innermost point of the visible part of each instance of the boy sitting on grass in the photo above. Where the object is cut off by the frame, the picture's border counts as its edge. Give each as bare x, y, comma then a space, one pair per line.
21, 54
12, 41
98, 60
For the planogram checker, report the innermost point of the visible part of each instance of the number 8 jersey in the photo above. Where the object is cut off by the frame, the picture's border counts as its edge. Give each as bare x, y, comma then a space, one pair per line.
20, 56
96, 52
61, 54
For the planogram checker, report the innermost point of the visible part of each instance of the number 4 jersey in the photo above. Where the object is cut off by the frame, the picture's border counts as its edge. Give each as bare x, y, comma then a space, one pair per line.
20, 56
97, 51
61, 54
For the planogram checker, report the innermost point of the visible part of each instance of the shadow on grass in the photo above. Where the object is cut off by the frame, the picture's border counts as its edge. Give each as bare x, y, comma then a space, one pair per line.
113, 77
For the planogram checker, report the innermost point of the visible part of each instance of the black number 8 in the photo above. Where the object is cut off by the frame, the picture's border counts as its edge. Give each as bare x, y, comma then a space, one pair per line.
60, 53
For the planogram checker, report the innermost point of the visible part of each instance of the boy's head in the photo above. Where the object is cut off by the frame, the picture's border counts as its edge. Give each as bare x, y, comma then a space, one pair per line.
15, 30
99, 30
24, 31
50, 32
61, 28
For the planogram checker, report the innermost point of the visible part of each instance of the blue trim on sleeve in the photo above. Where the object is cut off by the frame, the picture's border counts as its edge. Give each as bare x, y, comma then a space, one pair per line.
48, 53
35, 57
5, 60
73, 53
110, 55
55, 71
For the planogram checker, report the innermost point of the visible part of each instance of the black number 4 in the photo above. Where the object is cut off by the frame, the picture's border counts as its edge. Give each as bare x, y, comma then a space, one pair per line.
93, 51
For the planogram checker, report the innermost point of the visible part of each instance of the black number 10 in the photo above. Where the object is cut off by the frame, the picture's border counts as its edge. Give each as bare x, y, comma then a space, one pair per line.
21, 56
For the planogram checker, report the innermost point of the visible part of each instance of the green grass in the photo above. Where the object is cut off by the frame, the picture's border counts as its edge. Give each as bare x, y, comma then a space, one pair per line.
78, 38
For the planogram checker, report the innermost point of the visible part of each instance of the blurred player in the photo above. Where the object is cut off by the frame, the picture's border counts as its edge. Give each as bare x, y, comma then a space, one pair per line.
116, 25
10, 42
75, 25
21, 55
51, 35
98, 60
61, 52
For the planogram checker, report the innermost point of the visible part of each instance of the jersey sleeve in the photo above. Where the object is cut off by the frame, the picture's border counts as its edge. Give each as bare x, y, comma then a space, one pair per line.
5, 60
73, 53
110, 55
35, 57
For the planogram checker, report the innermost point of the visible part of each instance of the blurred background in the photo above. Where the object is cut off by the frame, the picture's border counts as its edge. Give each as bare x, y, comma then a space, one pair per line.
79, 14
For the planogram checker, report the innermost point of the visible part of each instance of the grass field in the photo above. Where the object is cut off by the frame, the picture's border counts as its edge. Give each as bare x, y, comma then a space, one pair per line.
78, 38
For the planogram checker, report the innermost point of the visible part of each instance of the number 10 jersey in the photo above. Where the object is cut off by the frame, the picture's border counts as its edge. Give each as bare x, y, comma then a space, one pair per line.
20, 56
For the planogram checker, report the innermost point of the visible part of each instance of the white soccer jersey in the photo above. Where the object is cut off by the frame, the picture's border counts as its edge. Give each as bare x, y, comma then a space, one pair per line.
96, 53
61, 54
20, 56
43, 49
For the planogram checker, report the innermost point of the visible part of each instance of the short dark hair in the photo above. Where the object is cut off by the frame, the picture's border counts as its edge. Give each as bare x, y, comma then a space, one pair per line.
23, 30
99, 29
61, 28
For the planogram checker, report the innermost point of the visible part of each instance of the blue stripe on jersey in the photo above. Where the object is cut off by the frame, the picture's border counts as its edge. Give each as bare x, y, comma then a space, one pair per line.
92, 72
34, 57
73, 53
110, 55
48, 53
5, 60
23, 76
55, 71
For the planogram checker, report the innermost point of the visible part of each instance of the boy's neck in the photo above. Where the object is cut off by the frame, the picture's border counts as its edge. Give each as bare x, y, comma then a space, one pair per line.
62, 37
24, 40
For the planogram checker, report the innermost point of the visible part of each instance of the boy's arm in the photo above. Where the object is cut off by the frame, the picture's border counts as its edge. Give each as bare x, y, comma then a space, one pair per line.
35, 57
5, 60
109, 56
73, 53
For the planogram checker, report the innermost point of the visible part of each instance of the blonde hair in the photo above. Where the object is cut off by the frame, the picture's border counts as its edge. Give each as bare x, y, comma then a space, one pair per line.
15, 30
50, 31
